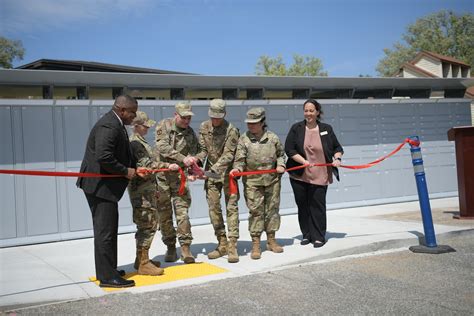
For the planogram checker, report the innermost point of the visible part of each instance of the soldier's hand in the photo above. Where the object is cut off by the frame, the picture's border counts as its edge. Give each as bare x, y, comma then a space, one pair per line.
142, 172
191, 178
280, 169
233, 171
173, 167
189, 161
130, 173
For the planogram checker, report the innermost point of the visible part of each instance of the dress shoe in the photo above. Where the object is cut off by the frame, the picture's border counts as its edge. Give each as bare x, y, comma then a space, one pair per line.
318, 244
117, 282
121, 272
305, 242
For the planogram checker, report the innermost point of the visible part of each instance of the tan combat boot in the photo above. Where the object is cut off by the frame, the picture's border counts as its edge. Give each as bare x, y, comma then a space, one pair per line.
145, 266
171, 255
186, 254
256, 251
221, 249
272, 245
232, 257
137, 260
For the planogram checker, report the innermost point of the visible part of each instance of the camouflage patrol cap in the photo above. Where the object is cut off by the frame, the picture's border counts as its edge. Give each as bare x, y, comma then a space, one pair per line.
183, 109
255, 115
217, 108
142, 119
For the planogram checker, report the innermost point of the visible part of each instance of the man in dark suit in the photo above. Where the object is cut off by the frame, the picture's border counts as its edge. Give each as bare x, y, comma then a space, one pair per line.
108, 152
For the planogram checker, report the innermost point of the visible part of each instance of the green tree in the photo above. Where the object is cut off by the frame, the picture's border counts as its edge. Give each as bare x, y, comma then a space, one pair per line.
268, 66
9, 51
444, 32
302, 66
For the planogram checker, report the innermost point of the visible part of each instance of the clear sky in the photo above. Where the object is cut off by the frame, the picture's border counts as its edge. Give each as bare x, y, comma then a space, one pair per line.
215, 37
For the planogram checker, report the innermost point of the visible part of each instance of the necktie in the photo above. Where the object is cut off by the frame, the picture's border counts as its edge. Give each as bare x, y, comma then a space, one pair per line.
125, 131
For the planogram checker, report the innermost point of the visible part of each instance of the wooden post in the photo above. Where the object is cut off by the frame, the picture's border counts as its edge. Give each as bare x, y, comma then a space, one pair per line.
464, 141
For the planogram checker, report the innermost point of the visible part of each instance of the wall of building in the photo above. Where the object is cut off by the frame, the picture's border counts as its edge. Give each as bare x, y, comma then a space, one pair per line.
50, 135
26, 92
431, 65
408, 73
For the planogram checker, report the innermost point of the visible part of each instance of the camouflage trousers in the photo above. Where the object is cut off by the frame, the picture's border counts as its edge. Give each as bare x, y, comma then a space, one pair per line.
169, 199
145, 216
263, 203
213, 195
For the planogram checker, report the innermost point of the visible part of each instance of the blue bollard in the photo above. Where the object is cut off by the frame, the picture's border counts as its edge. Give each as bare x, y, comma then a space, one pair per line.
423, 197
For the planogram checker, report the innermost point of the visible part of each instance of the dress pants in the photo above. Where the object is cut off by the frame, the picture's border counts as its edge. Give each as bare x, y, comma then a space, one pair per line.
105, 221
311, 202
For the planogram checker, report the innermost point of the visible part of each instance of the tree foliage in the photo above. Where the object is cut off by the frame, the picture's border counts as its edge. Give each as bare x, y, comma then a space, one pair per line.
444, 32
302, 66
9, 51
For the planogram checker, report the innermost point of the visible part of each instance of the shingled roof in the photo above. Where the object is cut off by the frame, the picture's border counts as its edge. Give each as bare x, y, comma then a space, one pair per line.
79, 65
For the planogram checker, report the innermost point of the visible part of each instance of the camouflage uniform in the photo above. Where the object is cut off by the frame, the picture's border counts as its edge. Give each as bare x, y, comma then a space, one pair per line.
261, 192
142, 192
218, 144
173, 145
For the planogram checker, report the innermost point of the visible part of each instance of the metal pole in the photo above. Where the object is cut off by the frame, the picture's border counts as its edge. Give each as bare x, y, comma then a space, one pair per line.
423, 197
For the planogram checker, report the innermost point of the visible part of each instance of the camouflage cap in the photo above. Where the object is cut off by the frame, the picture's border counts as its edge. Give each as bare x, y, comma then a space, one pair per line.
142, 119
217, 108
255, 115
183, 109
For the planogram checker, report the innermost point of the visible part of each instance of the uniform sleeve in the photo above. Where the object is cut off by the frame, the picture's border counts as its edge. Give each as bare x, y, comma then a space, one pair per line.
203, 152
230, 147
240, 161
157, 163
280, 153
140, 154
163, 145
105, 140
194, 145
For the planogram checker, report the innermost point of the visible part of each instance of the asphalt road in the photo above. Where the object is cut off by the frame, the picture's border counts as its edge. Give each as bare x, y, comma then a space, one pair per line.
395, 283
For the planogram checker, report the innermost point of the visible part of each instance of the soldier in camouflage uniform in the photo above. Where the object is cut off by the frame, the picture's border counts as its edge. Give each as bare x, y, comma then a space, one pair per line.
218, 141
260, 149
142, 191
177, 143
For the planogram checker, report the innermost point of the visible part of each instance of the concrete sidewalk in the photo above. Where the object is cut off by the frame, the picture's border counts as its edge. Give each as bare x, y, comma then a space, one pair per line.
39, 274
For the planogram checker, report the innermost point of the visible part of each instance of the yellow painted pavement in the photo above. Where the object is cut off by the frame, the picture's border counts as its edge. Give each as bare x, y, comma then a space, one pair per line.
173, 273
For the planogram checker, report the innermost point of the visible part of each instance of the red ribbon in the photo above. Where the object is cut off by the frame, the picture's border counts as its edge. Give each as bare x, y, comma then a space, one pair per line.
233, 183
59, 174
182, 184
91, 175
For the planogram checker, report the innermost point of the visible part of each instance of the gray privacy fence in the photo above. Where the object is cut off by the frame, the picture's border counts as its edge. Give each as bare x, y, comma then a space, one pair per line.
50, 135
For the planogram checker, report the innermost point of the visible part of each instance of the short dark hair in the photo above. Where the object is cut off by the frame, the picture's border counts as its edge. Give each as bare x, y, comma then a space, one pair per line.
124, 101
317, 106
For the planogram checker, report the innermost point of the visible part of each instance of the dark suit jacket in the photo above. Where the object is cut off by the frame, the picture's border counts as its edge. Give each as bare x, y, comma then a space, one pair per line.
294, 144
107, 152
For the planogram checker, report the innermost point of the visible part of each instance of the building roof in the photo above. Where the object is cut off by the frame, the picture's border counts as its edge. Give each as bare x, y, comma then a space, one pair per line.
440, 57
416, 69
79, 65
150, 80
